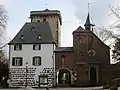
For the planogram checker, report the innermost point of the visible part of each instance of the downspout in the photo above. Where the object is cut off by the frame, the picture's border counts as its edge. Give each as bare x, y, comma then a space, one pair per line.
53, 66
9, 64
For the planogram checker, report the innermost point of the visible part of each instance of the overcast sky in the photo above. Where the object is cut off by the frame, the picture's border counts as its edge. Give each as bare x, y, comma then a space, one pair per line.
74, 13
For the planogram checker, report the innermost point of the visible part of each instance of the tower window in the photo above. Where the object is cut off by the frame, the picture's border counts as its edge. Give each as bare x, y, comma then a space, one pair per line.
90, 39
81, 40
63, 59
81, 54
57, 24
38, 20
44, 20
57, 33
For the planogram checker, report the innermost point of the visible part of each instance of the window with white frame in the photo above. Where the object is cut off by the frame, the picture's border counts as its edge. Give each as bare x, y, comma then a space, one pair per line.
17, 61
37, 61
18, 47
37, 47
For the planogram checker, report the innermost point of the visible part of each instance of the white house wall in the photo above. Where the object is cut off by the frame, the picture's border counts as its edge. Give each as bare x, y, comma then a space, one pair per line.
47, 56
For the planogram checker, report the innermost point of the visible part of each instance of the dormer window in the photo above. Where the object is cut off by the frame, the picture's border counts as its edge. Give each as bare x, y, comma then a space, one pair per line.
39, 37
22, 37
33, 29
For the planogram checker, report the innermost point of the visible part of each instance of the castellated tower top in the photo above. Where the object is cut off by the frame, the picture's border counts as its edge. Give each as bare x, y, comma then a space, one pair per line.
54, 19
46, 13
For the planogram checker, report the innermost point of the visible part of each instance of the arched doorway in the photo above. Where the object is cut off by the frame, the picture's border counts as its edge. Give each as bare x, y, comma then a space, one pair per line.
93, 76
64, 76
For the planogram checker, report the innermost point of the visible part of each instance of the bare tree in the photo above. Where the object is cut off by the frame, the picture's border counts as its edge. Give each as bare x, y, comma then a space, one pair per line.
3, 24
2, 57
116, 50
3, 21
104, 34
3, 17
115, 11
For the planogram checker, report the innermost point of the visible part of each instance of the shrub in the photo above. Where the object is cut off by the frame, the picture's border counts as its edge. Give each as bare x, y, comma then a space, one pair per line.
113, 88
106, 86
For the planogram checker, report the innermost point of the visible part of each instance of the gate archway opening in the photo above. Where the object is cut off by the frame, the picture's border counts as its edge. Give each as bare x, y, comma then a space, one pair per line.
64, 76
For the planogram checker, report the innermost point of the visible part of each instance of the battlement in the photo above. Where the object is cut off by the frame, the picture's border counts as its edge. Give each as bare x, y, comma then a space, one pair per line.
46, 13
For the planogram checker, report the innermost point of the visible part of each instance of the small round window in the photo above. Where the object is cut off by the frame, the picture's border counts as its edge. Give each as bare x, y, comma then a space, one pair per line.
91, 52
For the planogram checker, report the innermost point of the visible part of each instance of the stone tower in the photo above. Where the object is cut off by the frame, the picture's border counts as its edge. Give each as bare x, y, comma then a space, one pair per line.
54, 19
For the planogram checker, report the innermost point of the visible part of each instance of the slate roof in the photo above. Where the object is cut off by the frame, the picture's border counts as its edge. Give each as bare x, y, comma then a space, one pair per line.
88, 22
33, 33
80, 29
64, 49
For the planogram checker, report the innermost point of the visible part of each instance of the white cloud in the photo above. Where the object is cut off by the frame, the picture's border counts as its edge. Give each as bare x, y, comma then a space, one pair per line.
93, 0
71, 13
4, 2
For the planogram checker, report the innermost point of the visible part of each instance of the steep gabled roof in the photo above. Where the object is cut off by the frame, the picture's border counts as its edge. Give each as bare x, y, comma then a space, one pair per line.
88, 21
100, 40
80, 29
32, 33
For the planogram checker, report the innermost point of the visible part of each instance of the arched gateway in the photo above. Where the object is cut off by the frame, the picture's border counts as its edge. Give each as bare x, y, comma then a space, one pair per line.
63, 76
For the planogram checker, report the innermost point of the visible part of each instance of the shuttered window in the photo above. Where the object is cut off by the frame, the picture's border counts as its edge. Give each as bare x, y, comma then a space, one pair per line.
37, 61
17, 61
17, 47
37, 47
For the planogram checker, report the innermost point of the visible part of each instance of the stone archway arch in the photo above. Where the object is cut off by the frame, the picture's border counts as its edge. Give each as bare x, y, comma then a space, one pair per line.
64, 68
64, 76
